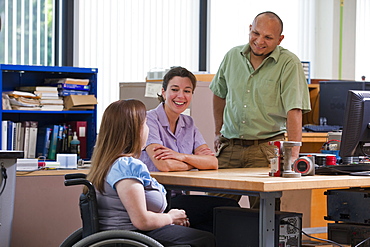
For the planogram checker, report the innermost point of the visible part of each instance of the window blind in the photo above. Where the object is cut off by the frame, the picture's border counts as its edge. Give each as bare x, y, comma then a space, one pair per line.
27, 34
126, 39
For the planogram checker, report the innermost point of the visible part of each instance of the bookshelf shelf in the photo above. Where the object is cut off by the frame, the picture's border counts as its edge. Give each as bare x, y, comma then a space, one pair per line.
13, 76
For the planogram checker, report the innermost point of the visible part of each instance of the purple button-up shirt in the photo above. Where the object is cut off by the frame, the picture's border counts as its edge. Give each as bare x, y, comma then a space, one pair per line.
185, 140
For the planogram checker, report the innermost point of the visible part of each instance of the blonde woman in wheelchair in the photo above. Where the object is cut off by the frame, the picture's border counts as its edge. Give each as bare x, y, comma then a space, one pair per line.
128, 197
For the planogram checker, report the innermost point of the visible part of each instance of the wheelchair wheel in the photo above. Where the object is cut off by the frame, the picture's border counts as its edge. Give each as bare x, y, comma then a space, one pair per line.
119, 238
72, 239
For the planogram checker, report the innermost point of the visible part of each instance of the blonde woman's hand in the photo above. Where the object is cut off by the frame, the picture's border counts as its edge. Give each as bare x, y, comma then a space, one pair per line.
179, 217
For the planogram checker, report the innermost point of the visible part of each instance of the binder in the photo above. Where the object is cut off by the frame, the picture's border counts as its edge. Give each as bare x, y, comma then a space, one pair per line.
80, 127
14, 135
26, 136
10, 135
53, 142
60, 139
43, 142
32, 140
18, 136
4, 135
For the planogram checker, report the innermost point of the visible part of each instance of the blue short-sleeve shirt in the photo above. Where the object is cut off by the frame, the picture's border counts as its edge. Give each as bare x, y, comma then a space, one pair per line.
112, 213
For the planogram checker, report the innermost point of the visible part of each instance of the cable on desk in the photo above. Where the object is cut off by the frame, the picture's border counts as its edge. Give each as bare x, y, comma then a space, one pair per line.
325, 146
321, 239
363, 241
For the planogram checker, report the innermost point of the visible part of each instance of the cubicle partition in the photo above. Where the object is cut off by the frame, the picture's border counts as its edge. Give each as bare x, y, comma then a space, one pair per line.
7, 193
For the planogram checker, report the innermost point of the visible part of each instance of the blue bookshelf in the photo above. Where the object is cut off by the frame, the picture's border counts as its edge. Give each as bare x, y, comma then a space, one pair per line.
12, 76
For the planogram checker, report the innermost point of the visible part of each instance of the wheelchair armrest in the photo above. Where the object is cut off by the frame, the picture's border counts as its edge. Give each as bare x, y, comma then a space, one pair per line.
80, 181
75, 175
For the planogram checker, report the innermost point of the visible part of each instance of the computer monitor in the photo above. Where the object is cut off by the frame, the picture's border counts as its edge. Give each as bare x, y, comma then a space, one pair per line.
333, 96
355, 140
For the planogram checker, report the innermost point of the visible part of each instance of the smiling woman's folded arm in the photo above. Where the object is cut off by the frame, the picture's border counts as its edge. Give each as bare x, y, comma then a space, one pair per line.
166, 159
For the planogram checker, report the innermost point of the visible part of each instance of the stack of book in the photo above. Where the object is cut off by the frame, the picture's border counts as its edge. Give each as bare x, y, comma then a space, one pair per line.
49, 98
70, 86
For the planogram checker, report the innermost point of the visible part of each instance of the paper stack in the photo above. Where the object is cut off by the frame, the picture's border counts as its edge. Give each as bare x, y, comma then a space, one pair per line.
23, 100
50, 101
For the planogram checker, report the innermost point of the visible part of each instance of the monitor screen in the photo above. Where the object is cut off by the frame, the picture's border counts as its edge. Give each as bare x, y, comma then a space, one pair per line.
356, 129
333, 96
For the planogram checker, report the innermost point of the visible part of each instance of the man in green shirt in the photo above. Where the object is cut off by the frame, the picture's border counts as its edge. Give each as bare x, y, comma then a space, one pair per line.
260, 92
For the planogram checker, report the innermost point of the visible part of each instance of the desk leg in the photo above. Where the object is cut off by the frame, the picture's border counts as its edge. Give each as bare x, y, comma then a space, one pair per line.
267, 218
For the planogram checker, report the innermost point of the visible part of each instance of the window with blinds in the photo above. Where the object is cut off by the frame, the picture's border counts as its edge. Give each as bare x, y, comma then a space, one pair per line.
27, 32
127, 39
362, 40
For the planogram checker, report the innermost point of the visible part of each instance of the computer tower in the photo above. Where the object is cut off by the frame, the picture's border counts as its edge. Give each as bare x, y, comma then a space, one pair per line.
239, 227
348, 205
351, 234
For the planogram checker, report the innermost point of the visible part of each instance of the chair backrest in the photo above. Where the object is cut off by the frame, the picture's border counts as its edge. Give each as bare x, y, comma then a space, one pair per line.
88, 203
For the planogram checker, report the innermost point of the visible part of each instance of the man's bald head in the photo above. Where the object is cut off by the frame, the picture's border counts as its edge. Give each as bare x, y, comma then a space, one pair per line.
271, 15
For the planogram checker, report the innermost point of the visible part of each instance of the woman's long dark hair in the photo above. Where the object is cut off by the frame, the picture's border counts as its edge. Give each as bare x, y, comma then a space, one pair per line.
119, 135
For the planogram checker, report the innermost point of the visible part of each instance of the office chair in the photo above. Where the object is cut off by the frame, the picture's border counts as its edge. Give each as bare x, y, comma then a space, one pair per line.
89, 234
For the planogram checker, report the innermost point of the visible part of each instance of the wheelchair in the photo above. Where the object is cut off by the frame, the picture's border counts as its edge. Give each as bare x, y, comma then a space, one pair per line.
89, 234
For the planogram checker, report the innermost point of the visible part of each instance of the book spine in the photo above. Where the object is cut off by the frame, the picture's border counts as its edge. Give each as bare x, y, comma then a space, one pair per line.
67, 81
53, 143
32, 140
60, 139
69, 138
68, 92
14, 136
21, 137
73, 87
4, 135
26, 139
46, 88
65, 139
43, 142
49, 131
18, 136
10, 137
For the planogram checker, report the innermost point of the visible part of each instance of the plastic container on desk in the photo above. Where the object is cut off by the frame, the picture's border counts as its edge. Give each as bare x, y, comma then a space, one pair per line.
334, 152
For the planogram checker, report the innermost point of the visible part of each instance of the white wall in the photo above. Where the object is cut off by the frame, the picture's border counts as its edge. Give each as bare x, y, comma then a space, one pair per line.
311, 28
362, 39
335, 60
230, 20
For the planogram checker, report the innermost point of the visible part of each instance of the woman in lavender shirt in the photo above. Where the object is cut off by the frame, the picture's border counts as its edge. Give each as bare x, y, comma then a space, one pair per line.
175, 144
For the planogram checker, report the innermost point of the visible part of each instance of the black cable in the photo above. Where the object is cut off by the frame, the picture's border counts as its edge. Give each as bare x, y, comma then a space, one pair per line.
321, 239
363, 151
5, 176
363, 241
